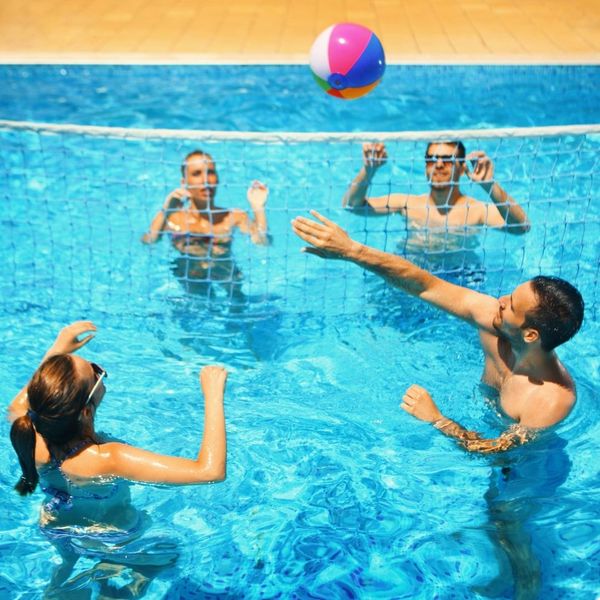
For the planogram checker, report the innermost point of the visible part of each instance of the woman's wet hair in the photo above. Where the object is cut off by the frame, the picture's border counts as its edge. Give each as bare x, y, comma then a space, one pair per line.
197, 152
57, 396
559, 311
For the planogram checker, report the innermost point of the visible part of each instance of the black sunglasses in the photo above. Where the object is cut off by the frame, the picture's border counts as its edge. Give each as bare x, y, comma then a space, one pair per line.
100, 375
446, 158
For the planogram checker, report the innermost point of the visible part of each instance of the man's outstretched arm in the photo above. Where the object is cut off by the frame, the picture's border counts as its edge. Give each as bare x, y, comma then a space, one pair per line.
329, 240
418, 403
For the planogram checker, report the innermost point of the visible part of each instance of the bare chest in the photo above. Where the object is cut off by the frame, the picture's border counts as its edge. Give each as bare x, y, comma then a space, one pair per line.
218, 224
513, 390
427, 214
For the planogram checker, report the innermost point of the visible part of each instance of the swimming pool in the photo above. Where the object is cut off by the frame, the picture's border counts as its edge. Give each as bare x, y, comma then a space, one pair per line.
276, 98
332, 492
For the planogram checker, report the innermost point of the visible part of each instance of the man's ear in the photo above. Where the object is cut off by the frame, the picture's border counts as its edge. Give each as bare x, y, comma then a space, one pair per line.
530, 335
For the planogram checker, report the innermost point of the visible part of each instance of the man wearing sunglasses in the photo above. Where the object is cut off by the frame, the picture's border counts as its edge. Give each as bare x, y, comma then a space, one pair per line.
445, 206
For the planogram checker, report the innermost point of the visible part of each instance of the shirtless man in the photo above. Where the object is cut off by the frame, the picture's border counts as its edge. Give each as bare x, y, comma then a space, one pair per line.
518, 334
196, 225
445, 206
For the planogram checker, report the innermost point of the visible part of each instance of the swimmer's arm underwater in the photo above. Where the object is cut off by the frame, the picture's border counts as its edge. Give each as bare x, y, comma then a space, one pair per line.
515, 436
418, 403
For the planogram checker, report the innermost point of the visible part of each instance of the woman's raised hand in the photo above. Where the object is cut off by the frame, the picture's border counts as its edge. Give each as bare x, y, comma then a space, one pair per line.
175, 200
67, 340
257, 195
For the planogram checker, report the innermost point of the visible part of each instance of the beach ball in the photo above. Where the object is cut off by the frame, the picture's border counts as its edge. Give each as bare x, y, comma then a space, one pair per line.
347, 60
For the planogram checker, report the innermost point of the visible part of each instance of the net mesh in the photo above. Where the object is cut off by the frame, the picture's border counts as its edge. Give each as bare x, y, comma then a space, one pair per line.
77, 200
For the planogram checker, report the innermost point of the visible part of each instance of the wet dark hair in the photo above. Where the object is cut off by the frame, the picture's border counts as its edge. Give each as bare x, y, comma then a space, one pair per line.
197, 152
460, 147
57, 395
559, 311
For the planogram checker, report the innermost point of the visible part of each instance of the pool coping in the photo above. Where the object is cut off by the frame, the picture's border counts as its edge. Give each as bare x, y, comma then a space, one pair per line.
8, 58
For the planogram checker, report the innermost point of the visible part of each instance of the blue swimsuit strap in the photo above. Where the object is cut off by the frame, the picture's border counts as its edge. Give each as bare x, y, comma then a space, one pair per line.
72, 452
65, 499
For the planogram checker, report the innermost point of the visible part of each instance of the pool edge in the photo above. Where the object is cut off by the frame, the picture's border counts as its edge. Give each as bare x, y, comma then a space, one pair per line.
590, 59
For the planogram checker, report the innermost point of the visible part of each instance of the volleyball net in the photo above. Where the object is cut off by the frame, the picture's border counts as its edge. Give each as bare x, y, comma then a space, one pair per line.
78, 199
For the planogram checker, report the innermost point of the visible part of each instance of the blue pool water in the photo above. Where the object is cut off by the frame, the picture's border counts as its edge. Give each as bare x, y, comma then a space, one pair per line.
275, 98
332, 491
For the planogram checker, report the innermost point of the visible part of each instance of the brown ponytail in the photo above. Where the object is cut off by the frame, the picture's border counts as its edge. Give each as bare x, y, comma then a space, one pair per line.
56, 398
22, 436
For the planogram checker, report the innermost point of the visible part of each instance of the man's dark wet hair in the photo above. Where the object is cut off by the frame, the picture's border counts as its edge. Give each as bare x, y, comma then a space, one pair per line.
194, 153
460, 147
559, 311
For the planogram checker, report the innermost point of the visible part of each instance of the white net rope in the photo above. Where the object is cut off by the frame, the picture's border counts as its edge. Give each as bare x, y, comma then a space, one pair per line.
77, 200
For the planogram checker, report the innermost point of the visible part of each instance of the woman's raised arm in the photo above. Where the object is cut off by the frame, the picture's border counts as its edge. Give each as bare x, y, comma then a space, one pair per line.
121, 460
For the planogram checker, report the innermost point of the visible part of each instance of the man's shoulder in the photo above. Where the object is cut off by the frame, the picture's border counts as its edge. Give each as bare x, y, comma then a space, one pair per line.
548, 402
411, 201
392, 202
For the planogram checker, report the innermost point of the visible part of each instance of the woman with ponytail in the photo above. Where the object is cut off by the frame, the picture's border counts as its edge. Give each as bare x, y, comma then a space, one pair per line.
83, 476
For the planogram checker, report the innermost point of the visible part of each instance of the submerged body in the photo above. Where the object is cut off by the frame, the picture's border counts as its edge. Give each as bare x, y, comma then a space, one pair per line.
445, 207
101, 504
204, 240
203, 232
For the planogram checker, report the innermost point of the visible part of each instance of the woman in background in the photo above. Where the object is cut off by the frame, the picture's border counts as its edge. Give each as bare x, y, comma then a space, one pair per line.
202, 231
